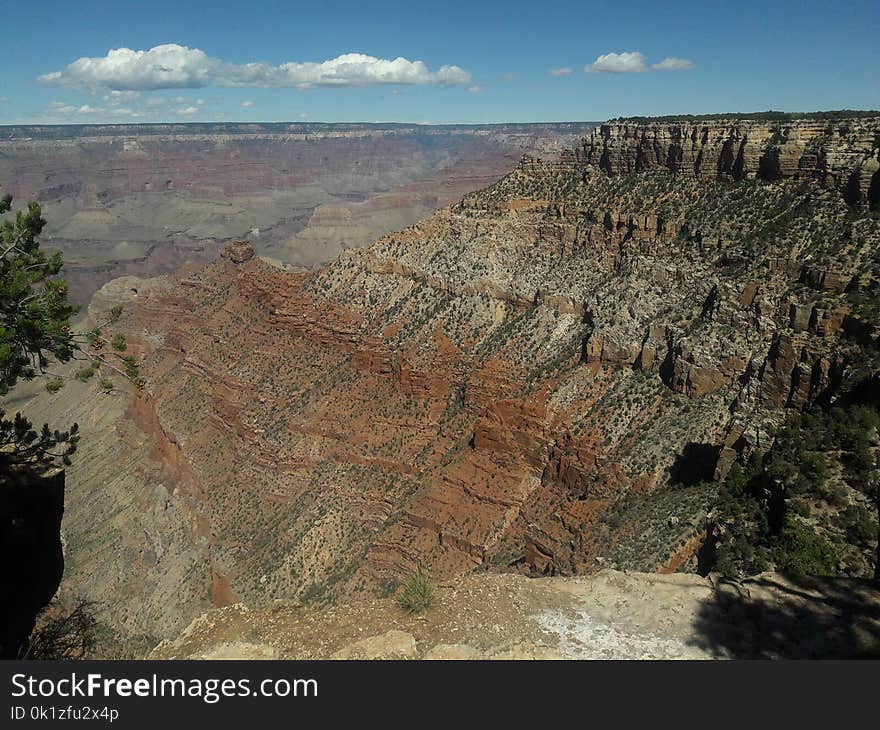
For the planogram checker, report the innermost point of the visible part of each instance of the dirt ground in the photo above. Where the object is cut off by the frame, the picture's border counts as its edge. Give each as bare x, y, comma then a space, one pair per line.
611, 615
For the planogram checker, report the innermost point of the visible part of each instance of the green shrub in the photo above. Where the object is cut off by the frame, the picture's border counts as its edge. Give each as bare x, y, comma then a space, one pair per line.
833, 493
118, 343
54, 385
418, 593
859, 526
106, 385
801, 551
131, 367
84, 374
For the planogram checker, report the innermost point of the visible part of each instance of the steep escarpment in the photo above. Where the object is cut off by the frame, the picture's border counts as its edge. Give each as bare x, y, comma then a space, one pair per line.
839, 153
544, 376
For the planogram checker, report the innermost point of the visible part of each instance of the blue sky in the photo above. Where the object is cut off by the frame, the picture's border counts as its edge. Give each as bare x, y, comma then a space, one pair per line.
462, 62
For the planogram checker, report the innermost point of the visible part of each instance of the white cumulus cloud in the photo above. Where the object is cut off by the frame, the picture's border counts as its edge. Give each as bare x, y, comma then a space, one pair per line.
188, 111
63, 110
59, 107
172, 66
247, 104
634, 62
673, 64
118, 97
560, 72
618, 63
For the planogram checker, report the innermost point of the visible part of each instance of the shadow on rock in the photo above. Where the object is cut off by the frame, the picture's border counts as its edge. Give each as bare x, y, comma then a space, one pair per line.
774, 617
31, 555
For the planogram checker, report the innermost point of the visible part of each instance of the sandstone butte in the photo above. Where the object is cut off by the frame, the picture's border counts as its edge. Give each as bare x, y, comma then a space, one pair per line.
512, 384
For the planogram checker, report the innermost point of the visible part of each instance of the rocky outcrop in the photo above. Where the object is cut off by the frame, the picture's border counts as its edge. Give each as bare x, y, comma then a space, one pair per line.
611, 615
238, 252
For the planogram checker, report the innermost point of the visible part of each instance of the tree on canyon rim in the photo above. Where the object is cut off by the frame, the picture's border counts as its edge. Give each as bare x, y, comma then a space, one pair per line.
34, 328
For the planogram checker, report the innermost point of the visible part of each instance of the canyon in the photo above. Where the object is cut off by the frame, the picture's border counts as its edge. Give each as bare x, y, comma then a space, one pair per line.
143, 199
547, 376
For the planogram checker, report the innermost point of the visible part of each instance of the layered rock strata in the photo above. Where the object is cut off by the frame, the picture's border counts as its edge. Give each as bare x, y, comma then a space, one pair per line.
543, 377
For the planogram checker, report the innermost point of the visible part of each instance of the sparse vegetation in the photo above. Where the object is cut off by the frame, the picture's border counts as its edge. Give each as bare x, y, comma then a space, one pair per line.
84, 374
803, 506
132, 371
417, 594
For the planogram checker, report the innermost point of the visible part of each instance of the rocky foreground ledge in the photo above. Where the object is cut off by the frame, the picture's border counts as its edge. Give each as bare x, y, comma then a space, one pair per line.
612, 615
